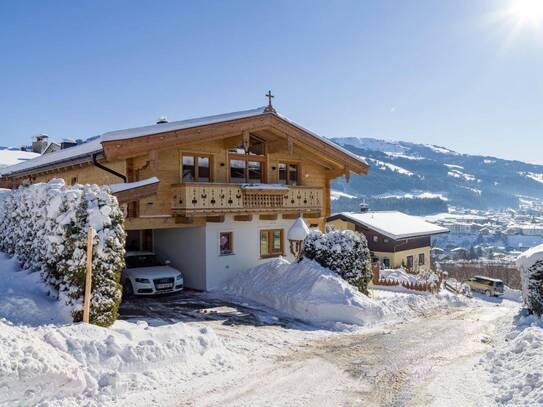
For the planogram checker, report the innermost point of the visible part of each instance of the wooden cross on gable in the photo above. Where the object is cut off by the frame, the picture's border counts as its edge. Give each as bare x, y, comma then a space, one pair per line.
269, 108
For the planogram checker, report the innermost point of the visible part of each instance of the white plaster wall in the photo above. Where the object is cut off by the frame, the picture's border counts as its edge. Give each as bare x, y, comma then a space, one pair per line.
246, 236
186, 249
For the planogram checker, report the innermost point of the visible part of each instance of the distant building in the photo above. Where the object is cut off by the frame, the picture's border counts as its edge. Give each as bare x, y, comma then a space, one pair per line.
395, 239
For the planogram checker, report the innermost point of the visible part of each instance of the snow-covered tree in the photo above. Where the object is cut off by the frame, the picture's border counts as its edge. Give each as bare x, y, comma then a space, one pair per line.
534, 296
344, 252
46, 227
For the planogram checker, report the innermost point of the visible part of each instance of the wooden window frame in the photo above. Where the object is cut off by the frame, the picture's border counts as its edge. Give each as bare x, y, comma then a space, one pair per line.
242, 157
231, 233
298, 172
270, 254
412, 262
196, 156
423, 259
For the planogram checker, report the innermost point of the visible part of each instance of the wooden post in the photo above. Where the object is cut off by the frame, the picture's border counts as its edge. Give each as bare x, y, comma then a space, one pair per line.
88, 277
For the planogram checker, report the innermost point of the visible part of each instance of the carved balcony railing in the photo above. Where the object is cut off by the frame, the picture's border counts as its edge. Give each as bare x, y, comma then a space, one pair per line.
213, 199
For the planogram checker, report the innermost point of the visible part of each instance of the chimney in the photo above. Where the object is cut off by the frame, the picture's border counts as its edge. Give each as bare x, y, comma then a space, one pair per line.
40, 143
162, 119
67, 143
364, 207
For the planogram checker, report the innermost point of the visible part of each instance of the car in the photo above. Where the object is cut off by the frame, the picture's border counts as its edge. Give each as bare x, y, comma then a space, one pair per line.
145, 274
486, 285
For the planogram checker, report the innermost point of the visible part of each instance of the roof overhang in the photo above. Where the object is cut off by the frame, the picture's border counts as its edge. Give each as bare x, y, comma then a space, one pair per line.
125, 147
134, 191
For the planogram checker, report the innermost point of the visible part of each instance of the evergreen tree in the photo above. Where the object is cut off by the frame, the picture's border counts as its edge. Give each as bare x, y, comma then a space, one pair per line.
534, 299
344, 252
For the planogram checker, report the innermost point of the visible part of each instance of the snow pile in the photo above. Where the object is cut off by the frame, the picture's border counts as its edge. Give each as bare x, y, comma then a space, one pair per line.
46, 226
305, 291
84, 364
402, 276
24, 296
515, 365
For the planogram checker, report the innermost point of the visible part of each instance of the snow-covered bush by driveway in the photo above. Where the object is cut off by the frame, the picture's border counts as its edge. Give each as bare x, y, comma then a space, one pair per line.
305, 291
344, 252
45, 226
530, 265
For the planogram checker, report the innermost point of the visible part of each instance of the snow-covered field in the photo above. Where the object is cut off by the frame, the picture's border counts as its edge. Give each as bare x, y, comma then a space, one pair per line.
47, 361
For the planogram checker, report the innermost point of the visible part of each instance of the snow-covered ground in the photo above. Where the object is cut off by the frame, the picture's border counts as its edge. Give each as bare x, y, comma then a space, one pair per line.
167, 362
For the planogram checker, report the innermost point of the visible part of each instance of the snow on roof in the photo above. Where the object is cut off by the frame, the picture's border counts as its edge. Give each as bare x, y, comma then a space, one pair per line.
394, 224
125, 186
95, 145
12, 157
179, 125
55, 157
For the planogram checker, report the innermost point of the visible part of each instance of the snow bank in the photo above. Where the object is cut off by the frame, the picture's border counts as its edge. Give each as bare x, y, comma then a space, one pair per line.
305, 291
81, 363
24, 296
311, 293
515, 365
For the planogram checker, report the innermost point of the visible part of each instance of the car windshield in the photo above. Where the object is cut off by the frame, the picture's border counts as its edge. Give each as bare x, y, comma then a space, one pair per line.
144, 260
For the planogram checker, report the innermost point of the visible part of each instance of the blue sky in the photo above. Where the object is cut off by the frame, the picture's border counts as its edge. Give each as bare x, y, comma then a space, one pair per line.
454, 73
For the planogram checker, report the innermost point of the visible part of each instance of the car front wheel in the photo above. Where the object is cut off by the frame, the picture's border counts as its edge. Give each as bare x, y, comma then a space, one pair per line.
128, 290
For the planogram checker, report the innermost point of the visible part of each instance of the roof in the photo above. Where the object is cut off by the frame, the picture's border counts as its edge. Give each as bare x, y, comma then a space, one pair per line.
12, 157
95, 145
68, 154
179, 125
393, 224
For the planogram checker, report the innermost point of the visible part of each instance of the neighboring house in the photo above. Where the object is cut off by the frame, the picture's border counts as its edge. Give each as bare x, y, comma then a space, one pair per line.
395, 239
213, 195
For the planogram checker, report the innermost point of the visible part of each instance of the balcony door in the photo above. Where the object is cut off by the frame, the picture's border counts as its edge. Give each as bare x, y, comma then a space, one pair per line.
247, 165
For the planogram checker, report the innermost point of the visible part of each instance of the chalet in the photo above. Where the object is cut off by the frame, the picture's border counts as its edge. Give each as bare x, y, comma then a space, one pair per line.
394, 238
213, 195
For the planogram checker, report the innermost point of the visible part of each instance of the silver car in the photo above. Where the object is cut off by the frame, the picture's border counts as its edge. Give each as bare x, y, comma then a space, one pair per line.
146, 275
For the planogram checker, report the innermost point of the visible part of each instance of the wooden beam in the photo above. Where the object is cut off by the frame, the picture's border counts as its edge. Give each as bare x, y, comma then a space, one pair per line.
215, 219
270, 216
243, 218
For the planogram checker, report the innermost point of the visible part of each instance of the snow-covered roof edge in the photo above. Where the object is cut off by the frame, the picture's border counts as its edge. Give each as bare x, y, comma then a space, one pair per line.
351, 216
72, 153
136, 132
125, 186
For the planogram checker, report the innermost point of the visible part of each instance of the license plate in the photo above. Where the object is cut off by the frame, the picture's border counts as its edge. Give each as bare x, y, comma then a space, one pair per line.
161, 286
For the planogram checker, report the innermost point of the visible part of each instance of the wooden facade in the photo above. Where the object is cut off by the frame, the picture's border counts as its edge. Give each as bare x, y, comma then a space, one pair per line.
175, 202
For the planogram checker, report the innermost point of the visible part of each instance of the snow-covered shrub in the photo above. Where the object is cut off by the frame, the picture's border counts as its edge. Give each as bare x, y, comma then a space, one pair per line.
46, 227
534, 296
344, 252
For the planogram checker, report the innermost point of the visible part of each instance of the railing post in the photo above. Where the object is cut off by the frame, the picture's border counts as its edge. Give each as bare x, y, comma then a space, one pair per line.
88, 277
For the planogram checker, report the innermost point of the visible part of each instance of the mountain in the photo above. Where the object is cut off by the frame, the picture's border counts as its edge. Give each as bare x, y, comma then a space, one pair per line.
418, 174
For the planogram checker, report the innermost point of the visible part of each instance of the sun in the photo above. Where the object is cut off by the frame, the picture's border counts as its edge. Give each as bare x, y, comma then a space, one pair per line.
527, 12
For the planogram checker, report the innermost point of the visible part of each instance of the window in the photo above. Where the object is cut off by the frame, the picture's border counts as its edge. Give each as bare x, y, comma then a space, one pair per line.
386, 262
409, 261
226, 243
375, 238
242, 170
421, 259
256, 147
271, 243
288, 174
196, 168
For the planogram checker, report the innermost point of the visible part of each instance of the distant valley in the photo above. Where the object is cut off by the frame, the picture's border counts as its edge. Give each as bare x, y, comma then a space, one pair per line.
425, 179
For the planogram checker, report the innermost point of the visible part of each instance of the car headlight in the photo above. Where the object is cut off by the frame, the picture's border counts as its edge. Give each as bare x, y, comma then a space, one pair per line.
179, 277
143, 280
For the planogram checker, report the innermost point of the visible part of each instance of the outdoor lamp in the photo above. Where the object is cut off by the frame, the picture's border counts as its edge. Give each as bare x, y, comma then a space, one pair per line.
296, 236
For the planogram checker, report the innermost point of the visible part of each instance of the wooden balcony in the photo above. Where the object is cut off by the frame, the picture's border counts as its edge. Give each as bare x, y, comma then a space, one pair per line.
205, 199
